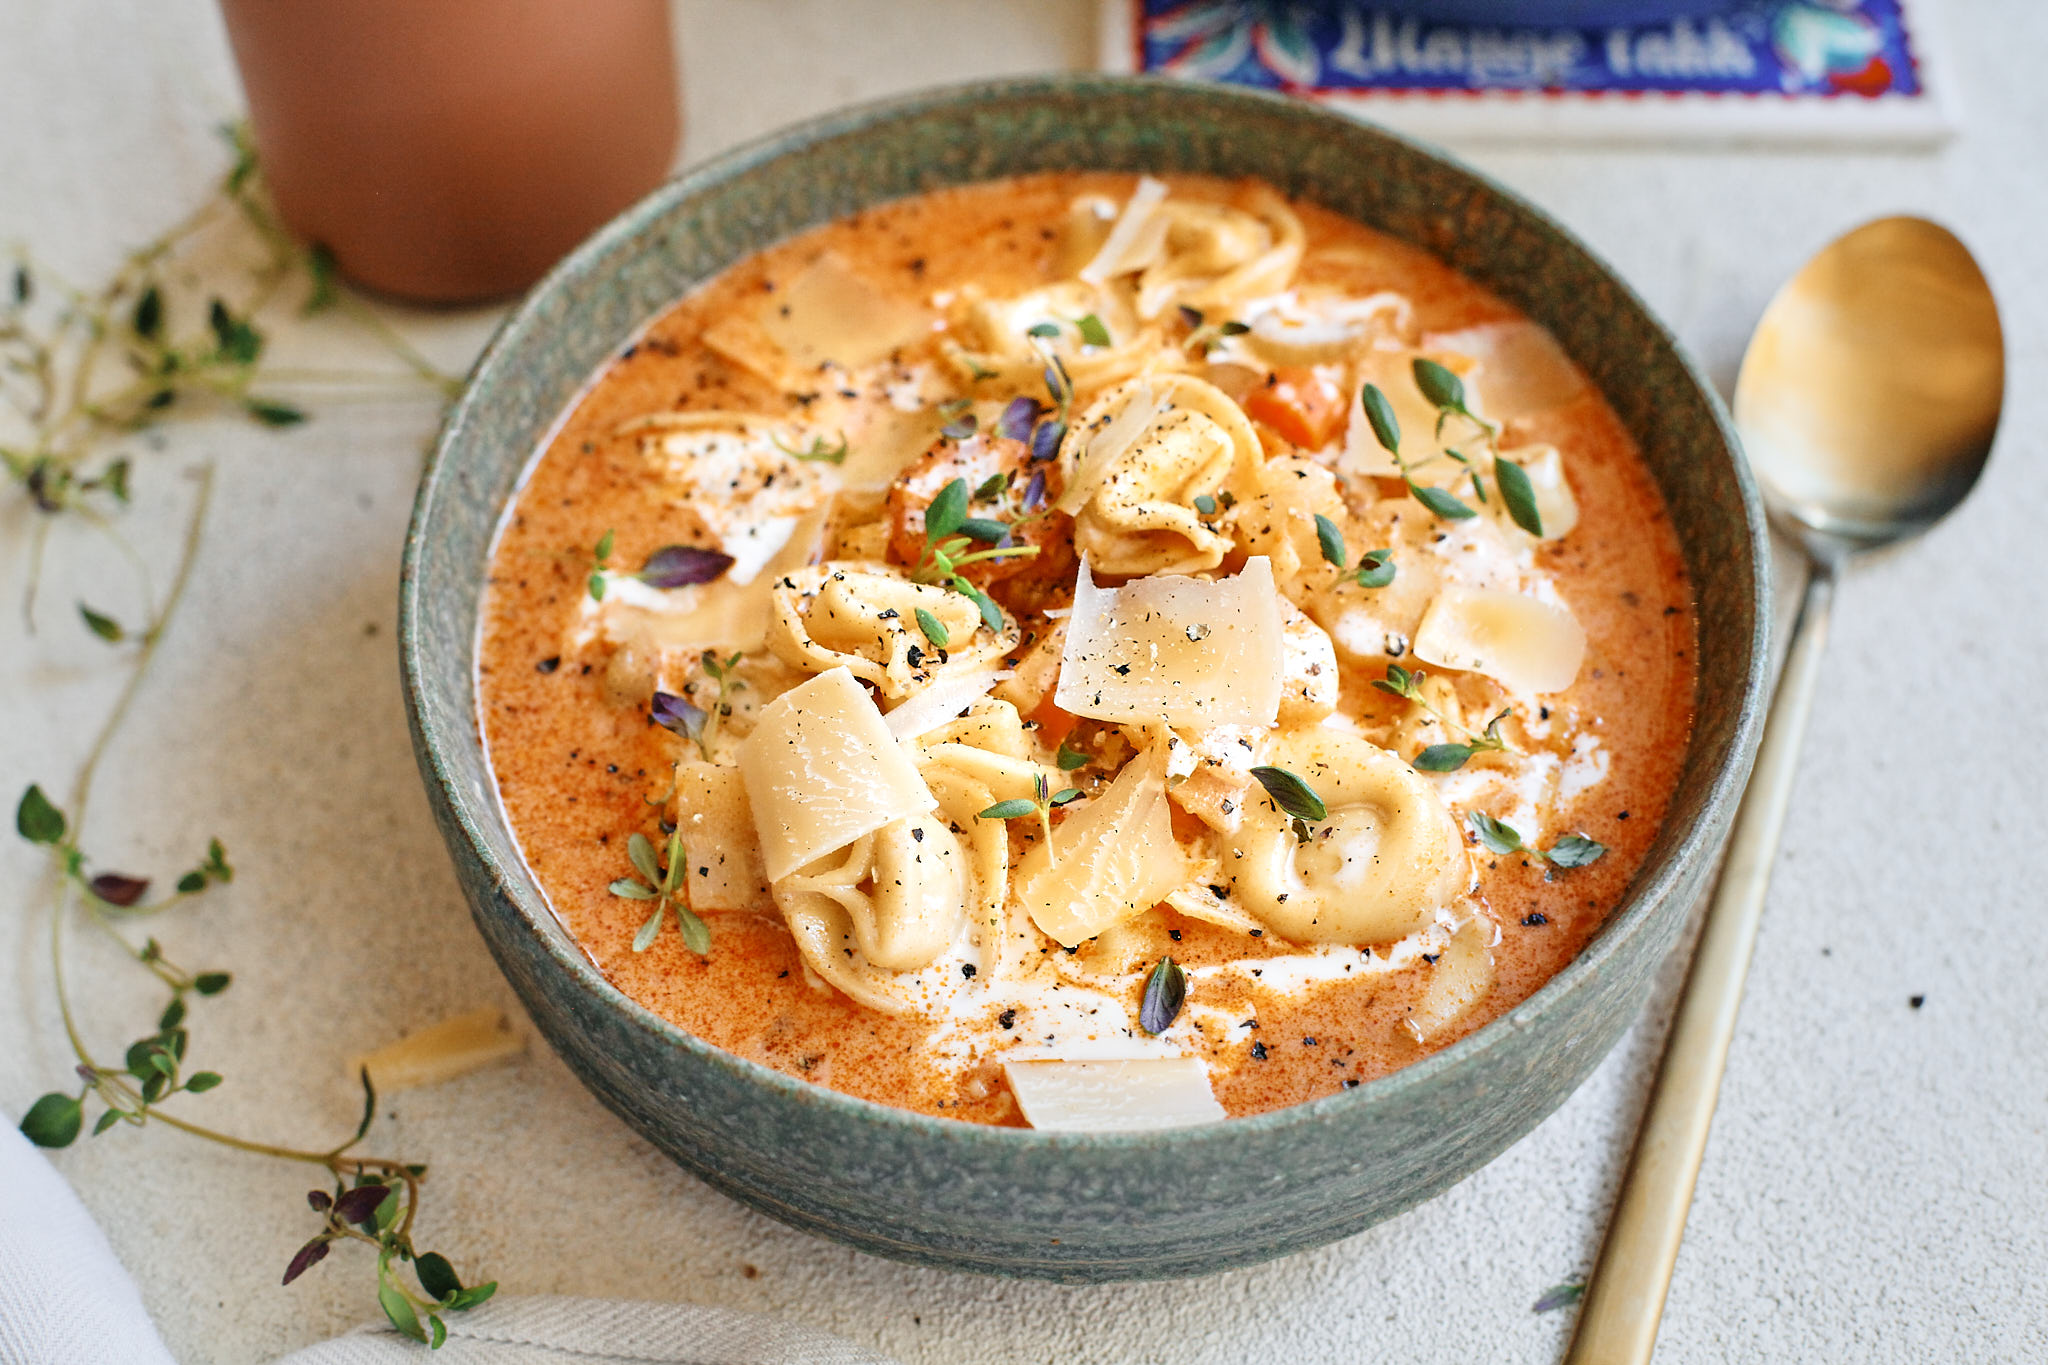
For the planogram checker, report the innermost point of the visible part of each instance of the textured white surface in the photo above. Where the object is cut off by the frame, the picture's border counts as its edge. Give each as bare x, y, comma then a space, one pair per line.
1875, 1186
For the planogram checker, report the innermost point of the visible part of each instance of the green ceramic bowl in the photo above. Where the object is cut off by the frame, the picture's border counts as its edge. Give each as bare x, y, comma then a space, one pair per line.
1012, 1201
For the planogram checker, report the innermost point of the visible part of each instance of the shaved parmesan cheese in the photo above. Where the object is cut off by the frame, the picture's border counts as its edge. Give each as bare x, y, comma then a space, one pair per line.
454, 1047
717, 825
1131, 244
1461, 977
1524, 644
1193, 652
821, 770
1295, 331
1520, 365
753, 544
947, 697
721, 615
826, 314
1114, 1096
1132, 420
1117, 858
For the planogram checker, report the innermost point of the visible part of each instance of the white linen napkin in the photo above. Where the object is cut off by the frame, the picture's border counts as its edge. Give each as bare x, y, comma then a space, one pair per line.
65, 1300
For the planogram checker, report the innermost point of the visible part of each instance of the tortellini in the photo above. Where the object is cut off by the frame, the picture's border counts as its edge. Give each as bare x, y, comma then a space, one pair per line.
995, 335
1138, 459
889, 903
1317, 329
1279, 519
1199, 254
862, 616
1386, 859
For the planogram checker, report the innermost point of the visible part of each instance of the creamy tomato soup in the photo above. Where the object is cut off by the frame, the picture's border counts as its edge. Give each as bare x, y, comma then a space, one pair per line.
1086, 651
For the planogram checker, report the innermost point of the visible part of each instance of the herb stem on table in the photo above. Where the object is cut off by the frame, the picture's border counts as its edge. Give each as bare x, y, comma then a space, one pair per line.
51, 377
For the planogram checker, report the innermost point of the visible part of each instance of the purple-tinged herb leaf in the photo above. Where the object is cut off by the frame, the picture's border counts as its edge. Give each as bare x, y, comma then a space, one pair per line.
1034, 492
1559, 1296
961, 427
309, 1255
1166, 990
675, 713
1018, 418
116, 888
359, 1205
1045, 441
682, 566
319, 1200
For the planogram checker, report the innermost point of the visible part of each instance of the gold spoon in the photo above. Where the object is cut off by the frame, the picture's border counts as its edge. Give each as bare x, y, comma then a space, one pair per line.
1867, 401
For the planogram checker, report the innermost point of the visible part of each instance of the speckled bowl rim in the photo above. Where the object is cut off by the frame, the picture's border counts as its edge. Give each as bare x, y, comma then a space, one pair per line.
516, 887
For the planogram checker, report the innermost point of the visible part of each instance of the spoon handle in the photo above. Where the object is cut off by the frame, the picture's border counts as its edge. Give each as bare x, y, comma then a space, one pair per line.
1625, 1299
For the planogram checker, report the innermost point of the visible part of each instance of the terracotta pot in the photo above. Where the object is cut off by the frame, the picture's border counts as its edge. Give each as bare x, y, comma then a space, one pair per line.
452, 150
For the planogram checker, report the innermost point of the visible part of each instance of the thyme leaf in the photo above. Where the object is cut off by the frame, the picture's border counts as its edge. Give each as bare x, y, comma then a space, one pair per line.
1331, 540
1376, 569
1166, 991
1575, 850
1291, 794
1518, 495
818, 451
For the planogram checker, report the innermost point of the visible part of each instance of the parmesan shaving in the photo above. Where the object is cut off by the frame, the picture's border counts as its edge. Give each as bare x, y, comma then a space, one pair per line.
821, 770
1121, 1096
1524, 644
454, 1047
946, 698
1192, 652
1117, 858
1132, 421
1129, 246
1461, 977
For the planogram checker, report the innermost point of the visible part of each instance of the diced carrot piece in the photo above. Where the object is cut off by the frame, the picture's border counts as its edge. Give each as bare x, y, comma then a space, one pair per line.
1300, 405
1054, 725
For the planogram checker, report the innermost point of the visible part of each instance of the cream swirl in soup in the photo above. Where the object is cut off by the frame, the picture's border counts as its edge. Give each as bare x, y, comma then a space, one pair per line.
1087, 650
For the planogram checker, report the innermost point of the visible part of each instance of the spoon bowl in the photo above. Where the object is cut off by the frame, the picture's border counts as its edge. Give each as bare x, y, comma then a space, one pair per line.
1867, 403
1870, 393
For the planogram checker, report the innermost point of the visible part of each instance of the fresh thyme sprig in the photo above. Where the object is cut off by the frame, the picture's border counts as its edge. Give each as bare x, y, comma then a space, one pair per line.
1202, 336
1375, 567
1573, 850
1446, 392
819, 451
664, 885
1447, 757
948, 534
1043, 803
83, 368
153, 1067
1386, 429
671, 566
696, 723
92, 369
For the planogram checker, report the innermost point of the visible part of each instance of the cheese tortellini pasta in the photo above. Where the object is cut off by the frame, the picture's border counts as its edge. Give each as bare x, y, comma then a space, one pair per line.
1387, 858
1121, 662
